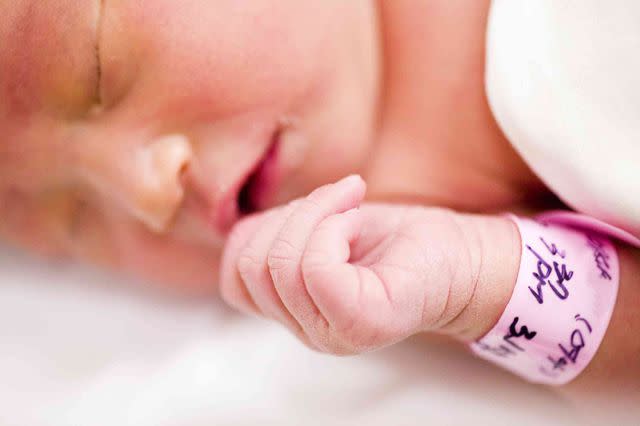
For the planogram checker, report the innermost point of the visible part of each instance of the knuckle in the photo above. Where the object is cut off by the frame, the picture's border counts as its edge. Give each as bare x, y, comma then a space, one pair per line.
320, 333
342, 347
282, 255
248, 263
333, 341
365, 333
308, 207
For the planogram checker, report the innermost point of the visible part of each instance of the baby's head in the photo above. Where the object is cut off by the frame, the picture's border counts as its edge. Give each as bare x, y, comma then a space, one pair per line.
135, 133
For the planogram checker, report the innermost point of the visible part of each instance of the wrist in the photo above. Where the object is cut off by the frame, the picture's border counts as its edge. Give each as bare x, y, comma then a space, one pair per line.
560, 307
497, 241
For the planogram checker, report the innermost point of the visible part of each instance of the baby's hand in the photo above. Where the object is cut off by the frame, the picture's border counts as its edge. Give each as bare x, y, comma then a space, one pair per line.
348, 279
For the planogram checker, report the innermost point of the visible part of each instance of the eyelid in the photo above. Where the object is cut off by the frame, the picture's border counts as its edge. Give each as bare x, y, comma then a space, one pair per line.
98, 52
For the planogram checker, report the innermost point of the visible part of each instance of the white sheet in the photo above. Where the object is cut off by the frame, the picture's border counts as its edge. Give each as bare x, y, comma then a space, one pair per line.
563, 82
78, 348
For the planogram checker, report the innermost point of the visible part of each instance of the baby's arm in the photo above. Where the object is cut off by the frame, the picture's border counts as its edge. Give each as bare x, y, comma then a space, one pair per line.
348, 280
615, 369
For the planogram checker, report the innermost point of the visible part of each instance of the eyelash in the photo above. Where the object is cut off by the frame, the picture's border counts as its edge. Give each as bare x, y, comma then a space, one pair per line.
98, 89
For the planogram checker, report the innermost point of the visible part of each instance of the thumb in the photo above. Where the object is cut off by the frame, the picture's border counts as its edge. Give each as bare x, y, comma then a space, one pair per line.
352, 298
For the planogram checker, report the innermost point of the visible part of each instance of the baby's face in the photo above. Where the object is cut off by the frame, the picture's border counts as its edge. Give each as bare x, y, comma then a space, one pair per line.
136, 135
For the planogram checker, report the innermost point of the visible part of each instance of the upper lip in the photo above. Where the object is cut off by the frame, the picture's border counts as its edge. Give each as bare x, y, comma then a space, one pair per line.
221, 210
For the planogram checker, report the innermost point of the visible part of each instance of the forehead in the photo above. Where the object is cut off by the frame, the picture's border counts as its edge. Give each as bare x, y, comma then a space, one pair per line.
47, 55
223, 55
48, 48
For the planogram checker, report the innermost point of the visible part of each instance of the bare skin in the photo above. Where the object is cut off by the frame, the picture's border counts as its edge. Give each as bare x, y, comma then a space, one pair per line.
141, 165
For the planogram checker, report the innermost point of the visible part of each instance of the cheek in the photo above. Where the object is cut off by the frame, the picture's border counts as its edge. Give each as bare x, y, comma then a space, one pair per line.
189, 269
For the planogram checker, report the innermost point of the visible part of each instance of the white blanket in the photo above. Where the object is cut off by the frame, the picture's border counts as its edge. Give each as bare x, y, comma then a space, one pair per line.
78, 347
563, 80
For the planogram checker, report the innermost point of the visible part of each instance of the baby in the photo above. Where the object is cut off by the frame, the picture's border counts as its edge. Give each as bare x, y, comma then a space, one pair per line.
178, 141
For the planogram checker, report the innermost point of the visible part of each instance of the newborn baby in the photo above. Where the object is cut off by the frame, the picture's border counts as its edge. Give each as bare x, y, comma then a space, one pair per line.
178, 141
148, 129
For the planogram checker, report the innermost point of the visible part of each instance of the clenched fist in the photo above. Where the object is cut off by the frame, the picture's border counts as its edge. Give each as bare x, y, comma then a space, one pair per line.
348, 277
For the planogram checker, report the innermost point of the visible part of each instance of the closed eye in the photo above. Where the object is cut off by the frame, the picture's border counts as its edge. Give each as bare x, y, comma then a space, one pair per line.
98, 53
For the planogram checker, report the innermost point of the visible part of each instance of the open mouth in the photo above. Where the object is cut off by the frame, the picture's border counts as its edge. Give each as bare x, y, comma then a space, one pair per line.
253, 183
254, 193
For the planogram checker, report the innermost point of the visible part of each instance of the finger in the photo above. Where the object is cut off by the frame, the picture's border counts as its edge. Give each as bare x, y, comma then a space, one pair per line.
254, 270
286, 253
247, 284
331, 281
352, 298
232, 287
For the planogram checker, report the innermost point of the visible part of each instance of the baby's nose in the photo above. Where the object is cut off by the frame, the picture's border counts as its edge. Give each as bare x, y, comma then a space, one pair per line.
144, 178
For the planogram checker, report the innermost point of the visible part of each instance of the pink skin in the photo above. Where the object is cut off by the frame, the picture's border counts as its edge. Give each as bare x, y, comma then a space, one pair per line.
128, 128
347, 277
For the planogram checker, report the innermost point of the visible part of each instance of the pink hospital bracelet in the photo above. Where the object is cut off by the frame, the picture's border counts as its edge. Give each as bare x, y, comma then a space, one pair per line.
561, 304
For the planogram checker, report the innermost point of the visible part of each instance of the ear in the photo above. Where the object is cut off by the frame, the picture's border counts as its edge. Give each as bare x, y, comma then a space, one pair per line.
158, 191
145, 178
